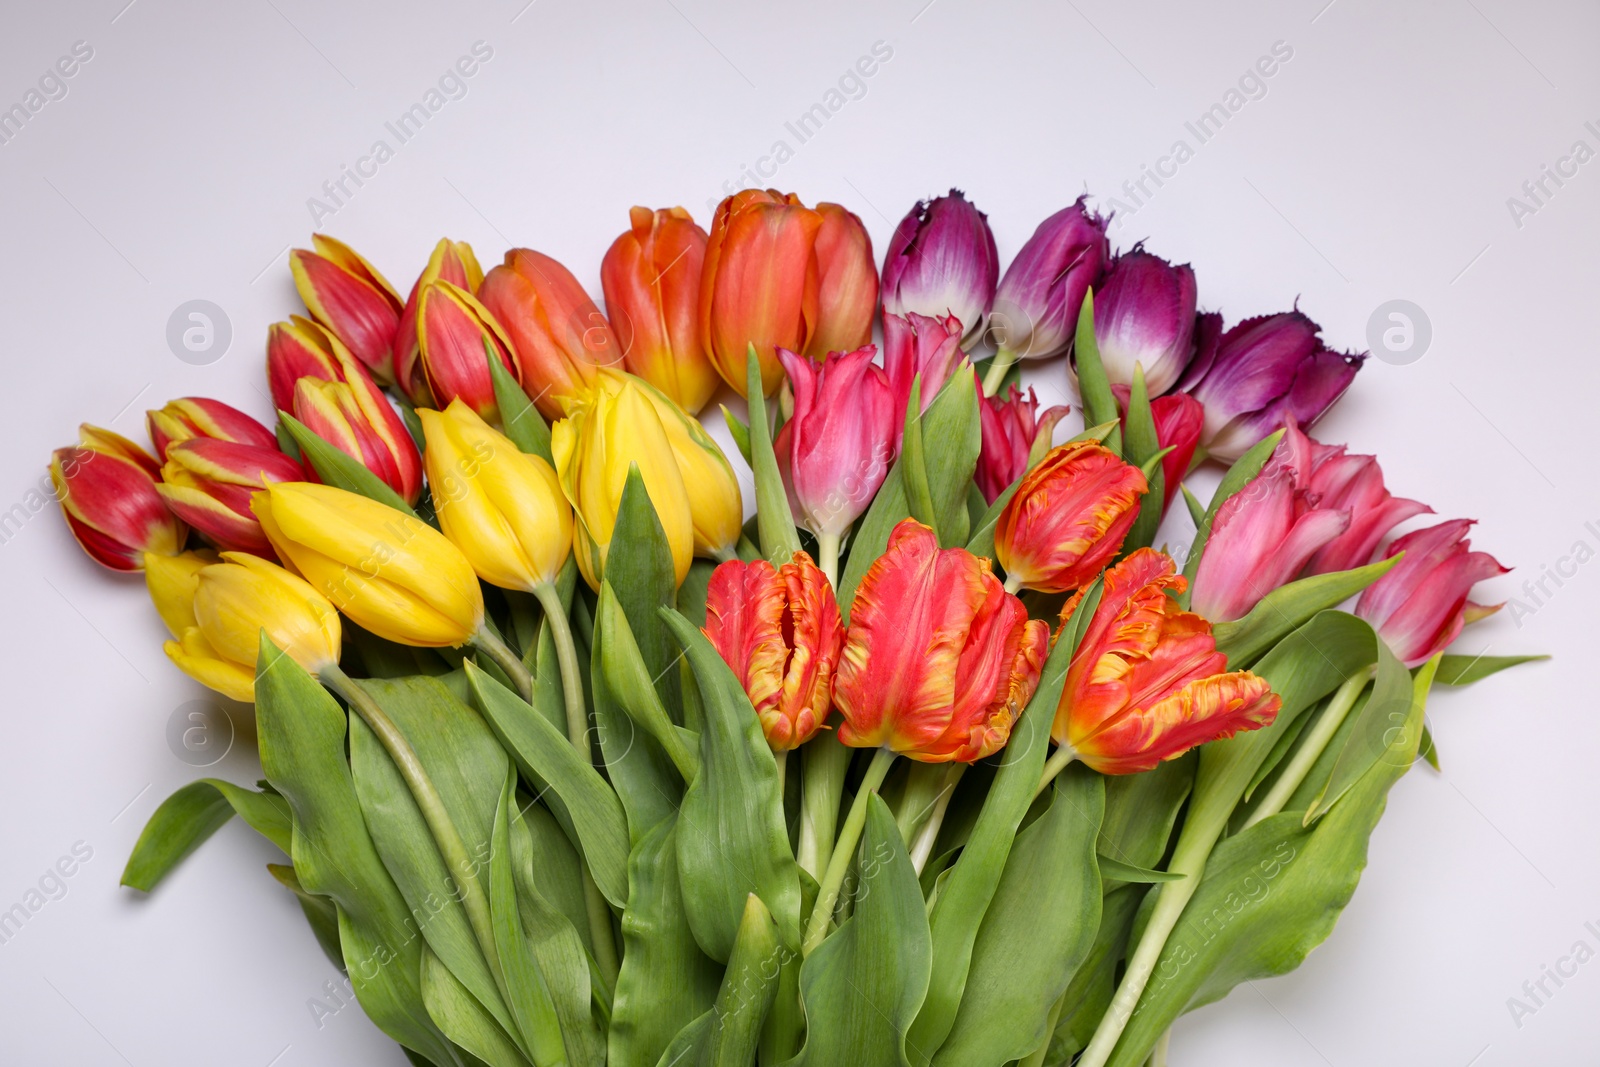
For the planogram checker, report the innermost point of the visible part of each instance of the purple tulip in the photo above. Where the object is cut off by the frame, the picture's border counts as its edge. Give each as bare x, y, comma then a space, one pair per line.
1144, 313
1036, 307
1264, 370
942, 261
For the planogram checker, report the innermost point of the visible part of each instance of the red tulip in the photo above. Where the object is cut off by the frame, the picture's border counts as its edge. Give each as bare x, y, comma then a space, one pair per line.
1420, 606
1068, 518
209, 485
198, 416
347, 295
1179, 419
106, 486
1012, 428
847, 283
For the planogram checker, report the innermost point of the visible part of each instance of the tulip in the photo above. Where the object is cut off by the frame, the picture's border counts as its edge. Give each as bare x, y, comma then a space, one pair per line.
1147, 682
301, 348
1179, 419
913, 345
1036, 306
651, 279
234, 601
209, 485
1265, 370
451, 261
107, 490
391, 573
502, 507
1013, 430
1420, 606
172, 581
195, 416
835, 452
938, 659
609, 429
1144, 315
455, 334
847, 283
347, 295
558, 334
942, 261
758, 285
1068, 518
778, 628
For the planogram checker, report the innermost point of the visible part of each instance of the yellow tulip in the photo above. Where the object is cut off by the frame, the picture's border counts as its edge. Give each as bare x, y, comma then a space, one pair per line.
502, 507
237, 599
390, 572
172, 581
610, 427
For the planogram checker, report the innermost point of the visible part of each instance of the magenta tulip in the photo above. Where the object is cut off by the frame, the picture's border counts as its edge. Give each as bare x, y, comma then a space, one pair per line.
942, 261
1420, 606
1144, 314
1036, 306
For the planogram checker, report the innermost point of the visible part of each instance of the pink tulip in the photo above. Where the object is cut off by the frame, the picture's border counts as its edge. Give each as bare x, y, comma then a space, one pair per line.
916, 344
836, 450
1420, 606
1011, 427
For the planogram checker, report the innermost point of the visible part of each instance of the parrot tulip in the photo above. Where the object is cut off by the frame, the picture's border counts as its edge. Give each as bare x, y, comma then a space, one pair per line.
1067, 518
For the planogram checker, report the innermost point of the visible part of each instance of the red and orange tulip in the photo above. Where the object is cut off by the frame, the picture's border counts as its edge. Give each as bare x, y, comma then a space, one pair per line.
938, 659
347, 295
847, 283
1147, 682
198, 416
1068, 518
779, 629
456, 333
208, 484
106, 485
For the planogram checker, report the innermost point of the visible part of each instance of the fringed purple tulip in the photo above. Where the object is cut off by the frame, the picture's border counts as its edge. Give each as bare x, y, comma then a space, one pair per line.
1420, 606
942, 261
1144, 314
1036, 306
916, 344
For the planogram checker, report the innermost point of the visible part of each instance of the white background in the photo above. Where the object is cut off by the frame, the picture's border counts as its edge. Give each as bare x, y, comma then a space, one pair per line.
1377, 166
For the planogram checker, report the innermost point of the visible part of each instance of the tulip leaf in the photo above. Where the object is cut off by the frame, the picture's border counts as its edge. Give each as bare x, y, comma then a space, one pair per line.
1035, 932
732, 836
728, 1034
952, 439
302, 737
871, 538
544, 752
1239, 475
1464, 670
628, 682
320, 913
1289, 607
692, 593
639, 568
191, 815
1095, 433
1089, 994
1117, 872
333, 467
1141, 810
1395, 696
779, 539
665, 978
1269, 895
1099, 403
739, 430
913, 466
981, 543
1197, 510
519, 419
1142, 448
452, 1006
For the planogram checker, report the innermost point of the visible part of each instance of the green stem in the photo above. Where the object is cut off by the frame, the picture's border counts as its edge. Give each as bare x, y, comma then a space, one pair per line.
998, 366
486, 642
1158, 1055
1306, 754
1036, 1057
822, 784
844, 850
1063, 755
928, 836
828, 556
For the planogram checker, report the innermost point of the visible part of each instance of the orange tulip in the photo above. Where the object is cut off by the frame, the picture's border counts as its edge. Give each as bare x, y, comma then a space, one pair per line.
758, 285
938, 660
847, 284
651, 278
1068, 518
1147, 683
558, 333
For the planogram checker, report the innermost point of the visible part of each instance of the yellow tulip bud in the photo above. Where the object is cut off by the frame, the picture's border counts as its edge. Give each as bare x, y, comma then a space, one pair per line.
390, 572
502, 507
172, 581
609, 427
233, 602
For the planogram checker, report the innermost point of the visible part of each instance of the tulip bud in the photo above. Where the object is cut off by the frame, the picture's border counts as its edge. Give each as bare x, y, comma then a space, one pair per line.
1036, 306
1265, 370
916, 345
938, 660
559, 335
1420, 606
609, 429
195, 416
501, 507
347, 295
779, 629
456, 334
1144, 315
108, 495
759, 283
299, 349
1068, 518
847, 283
1178, 419
942, 261
451, 261
1147, 682
390, 572
233, 602
209, 485
836, 450
1013, 430
172, 581
651, 278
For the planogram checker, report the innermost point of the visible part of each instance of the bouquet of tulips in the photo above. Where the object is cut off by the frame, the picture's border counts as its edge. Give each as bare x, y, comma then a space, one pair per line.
936, 759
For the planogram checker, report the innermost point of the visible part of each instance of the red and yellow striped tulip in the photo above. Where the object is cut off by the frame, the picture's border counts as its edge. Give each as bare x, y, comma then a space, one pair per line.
347, 295
106, 486
209, 484
1068, 518
456, 333
197, 416
454, 262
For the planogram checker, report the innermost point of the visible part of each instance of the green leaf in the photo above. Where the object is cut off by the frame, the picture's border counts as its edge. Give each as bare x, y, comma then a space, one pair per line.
779, 539
914, 468
1142, 448
188, 817
320, 913
1089, 995
335, 468
1197, 510
1464, 670
1035, 933
1141, 810
459, 1015
1386, 712
981, 543
302, 736
665, 978
519, 419
732, 836
543, 751
1290, 606
863, 985
952, 439
692, 593
628, 680
871, 537
1118, 872
639, 568
739, 430
1099, 403
748, 990
1244, 468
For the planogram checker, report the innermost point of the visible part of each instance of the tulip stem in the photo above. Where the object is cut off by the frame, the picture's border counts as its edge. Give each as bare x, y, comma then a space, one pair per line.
998, 366
844, 850
497, 650
828, 556
928, 836
1305, 756
1013, 583
822, 784
1063, 755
